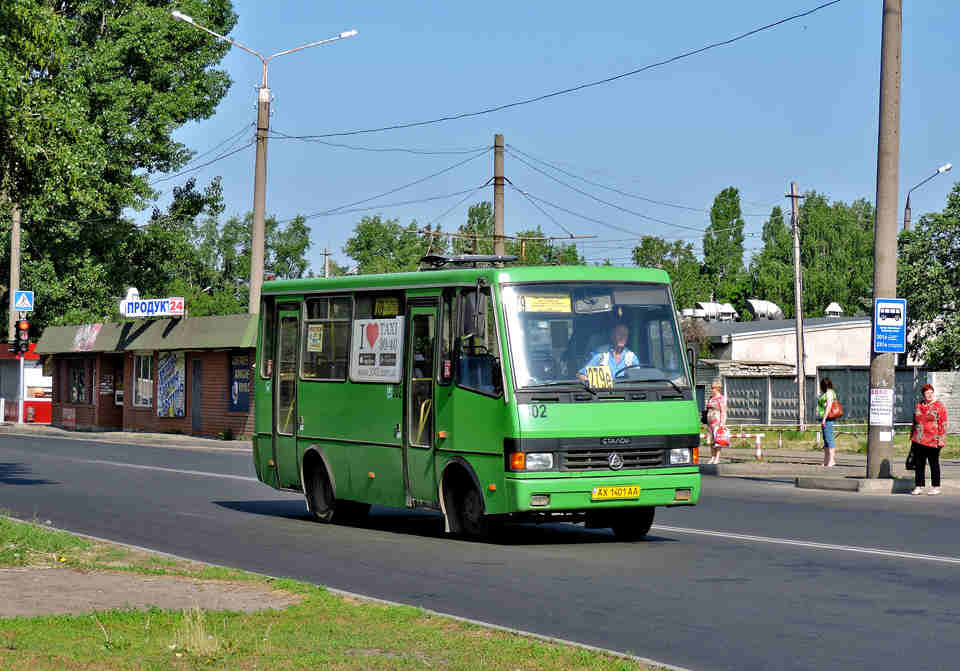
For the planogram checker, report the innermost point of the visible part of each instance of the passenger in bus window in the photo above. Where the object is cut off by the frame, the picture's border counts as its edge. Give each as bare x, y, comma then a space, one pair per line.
616, 356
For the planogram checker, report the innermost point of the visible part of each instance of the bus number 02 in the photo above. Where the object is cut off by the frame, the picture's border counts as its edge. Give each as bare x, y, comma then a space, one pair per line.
538, 411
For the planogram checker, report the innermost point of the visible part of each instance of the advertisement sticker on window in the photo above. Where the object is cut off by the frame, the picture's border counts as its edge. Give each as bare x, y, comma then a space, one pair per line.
376, 350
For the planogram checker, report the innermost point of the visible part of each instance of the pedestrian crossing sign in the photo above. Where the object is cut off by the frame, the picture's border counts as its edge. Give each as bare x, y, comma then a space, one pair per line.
23, 301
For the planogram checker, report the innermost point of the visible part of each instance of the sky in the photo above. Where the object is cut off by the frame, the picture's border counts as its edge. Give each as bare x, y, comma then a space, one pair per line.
795, 103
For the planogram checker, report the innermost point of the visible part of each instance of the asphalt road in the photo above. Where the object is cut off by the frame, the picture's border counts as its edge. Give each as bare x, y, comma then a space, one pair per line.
760, 575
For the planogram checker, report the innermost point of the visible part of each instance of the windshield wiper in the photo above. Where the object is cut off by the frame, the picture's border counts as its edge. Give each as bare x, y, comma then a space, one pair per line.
666, 379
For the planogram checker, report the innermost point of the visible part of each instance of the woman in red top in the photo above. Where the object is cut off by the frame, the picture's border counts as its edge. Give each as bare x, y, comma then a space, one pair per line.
928, 437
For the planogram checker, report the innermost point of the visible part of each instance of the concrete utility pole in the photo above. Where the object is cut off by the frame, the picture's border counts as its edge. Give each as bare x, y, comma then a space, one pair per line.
880, 434
14, 269
798, 307
326, 262
259, 196
498, 194
260, 169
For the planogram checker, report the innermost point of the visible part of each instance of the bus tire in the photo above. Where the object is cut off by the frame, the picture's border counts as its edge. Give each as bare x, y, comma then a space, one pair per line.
469, 511
320, 492
632, 524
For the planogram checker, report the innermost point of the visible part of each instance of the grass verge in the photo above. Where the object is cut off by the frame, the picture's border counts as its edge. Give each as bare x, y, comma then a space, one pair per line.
322, 631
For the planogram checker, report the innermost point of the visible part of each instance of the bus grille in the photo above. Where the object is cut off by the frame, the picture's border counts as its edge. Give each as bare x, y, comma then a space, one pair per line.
598, 458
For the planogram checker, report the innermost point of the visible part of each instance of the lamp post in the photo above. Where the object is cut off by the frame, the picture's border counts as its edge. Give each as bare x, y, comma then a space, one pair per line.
906, 211
260, 169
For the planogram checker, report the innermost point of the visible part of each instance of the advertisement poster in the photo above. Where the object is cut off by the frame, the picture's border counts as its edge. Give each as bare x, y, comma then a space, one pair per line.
171, 385
376, 351
239, 383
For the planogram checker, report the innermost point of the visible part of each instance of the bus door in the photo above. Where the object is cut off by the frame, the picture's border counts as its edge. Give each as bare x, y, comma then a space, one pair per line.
285, 419
420, 376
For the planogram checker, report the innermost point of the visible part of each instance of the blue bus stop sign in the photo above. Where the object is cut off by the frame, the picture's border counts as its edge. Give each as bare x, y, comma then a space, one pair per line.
890, 325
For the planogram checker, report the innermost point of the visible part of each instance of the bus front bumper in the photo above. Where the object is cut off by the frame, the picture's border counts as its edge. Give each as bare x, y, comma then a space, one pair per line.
678, 487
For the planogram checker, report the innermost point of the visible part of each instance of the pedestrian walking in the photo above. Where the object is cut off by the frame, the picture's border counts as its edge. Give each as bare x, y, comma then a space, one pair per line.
717, 420
824, 404
927, 438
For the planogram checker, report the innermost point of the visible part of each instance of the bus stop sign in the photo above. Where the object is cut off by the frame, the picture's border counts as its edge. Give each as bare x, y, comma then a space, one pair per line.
890, 325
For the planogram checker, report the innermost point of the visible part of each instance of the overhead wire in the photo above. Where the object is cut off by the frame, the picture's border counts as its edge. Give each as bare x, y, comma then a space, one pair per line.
619, 191
343, 208
580, 87
202, 165
277, 135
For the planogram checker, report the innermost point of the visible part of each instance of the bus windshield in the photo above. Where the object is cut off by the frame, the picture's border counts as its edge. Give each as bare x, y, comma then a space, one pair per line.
566, 333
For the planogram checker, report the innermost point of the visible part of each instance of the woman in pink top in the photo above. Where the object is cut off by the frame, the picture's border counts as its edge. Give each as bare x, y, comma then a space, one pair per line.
928, 437
716, 418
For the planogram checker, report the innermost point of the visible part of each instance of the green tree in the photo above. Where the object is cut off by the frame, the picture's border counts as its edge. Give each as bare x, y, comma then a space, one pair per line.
540, 252
384, 246
771, 269
836, 255
723, 244
477, 232
928, 277
677, 258
90, 94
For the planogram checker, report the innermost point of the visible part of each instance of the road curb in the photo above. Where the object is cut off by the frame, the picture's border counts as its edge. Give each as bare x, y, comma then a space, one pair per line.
895, 485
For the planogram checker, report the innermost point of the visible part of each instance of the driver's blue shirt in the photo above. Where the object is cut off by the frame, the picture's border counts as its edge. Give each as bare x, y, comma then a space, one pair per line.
607, 358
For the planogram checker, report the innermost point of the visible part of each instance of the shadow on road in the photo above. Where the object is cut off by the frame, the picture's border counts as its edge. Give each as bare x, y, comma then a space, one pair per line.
429, 524
15, 474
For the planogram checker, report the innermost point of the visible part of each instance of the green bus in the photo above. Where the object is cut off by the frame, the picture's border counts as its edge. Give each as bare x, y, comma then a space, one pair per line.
485, 391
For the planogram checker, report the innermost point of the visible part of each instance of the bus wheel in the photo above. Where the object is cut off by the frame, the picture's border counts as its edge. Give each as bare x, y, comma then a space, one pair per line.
320, 494
473, 523
632, 524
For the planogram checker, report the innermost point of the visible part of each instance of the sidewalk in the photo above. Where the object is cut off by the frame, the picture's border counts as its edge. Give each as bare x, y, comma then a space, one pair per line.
130, 437
805, 468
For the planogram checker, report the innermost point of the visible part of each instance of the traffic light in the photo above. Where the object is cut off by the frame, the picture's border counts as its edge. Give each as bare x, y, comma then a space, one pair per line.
23, 335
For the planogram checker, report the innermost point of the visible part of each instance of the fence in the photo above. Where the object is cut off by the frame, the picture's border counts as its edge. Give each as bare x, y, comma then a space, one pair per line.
772, 399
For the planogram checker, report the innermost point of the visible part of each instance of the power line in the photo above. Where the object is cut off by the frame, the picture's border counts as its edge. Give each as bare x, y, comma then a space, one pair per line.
619, 191
203, 165
338, 211
579, 87
399, 188
277, 135
542, 211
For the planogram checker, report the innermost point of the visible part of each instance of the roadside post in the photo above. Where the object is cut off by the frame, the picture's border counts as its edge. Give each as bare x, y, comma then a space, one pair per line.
22, 303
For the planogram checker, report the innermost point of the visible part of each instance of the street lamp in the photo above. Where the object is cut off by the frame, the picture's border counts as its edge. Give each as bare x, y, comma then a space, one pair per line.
906, 211
260, 169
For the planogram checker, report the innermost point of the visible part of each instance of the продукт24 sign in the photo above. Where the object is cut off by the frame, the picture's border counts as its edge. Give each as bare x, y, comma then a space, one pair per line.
152, 307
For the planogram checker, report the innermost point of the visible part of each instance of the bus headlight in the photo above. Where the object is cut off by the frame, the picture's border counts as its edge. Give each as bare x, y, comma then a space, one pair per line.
539, 461
680, 455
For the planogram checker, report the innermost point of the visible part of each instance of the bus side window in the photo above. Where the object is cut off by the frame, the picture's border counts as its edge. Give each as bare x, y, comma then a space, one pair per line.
478, 350
445, 370
325, 347
267, 337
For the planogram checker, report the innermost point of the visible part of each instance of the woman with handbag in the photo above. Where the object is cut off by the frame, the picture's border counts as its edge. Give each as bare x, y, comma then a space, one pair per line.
927, 438
828, 397
717, 421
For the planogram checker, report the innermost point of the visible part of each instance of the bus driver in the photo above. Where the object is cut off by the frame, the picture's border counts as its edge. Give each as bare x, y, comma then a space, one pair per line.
616, 357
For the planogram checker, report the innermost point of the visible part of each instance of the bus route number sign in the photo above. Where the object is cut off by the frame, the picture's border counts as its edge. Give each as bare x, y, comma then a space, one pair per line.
598, 377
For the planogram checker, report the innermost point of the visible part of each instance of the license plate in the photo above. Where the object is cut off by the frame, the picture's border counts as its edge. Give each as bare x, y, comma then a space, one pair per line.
615, 492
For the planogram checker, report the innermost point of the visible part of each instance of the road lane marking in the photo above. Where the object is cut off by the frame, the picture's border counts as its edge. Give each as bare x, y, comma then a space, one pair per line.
811, 544
170, 470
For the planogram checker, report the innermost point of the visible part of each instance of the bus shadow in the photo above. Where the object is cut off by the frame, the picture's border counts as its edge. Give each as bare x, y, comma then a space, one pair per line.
428, 524
16, 474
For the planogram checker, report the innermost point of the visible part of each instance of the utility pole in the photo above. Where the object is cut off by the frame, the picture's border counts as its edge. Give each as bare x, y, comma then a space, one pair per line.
260, 169
14, 268
798, 307
326, 262
259, 196
880, 433
498, 248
